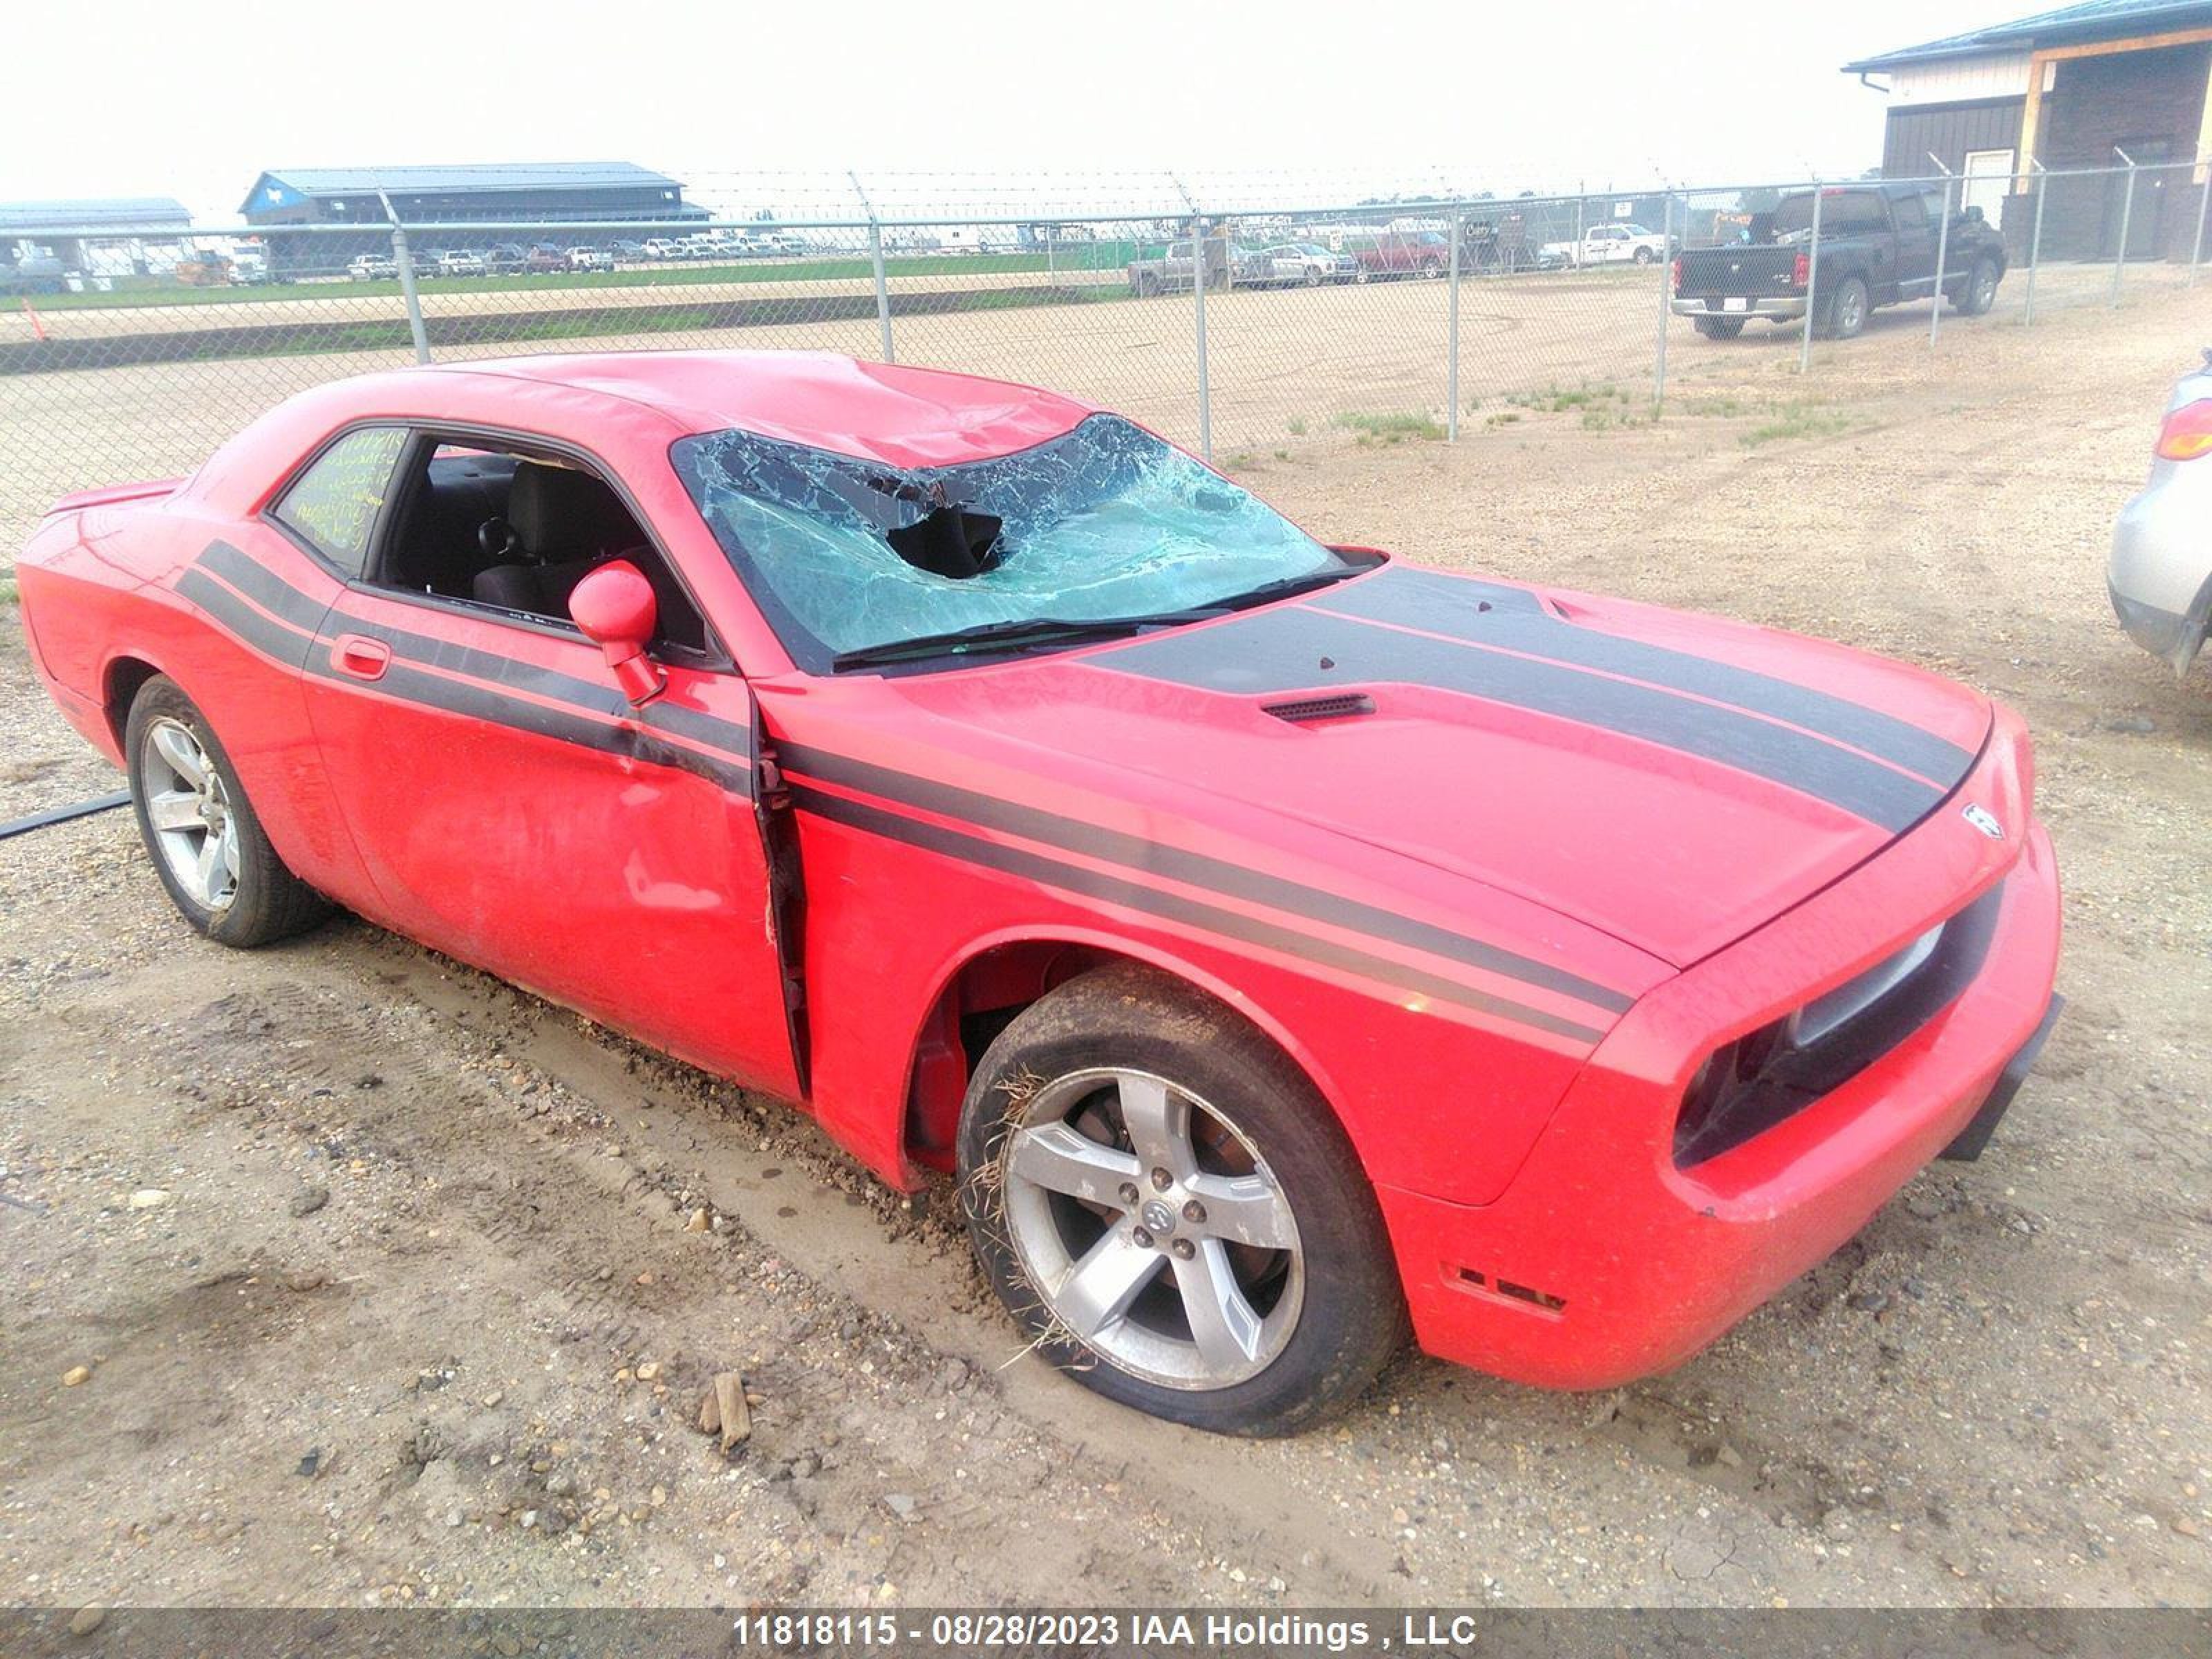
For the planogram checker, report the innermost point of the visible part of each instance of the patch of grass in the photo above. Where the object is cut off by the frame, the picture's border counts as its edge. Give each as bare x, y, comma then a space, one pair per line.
1282, 455
1243, 460
1797, 421
166, 291
1503, 417
1298, 427
1601, 418
1390, 429
1555, 399
8, 594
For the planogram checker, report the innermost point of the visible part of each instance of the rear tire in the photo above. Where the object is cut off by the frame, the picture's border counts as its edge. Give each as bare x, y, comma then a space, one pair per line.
1845, 312
207, 843
1981, 290
1717, 328
1644, 256
1099, 1129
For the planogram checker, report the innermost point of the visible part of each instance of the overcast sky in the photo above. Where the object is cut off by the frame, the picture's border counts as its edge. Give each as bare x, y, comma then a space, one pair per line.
149, 97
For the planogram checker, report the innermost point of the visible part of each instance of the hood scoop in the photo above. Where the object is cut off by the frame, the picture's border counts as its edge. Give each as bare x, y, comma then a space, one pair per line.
1336, 706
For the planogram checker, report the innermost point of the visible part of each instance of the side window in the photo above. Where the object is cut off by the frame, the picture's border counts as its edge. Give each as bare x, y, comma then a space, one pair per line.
332, 506
514, 530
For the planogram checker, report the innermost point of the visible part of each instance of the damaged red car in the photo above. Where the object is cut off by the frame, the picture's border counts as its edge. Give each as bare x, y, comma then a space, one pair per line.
1285, 946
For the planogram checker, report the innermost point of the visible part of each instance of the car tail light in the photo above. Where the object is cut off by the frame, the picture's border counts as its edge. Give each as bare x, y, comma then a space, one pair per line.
2187, 433
1801, 274
1678, 274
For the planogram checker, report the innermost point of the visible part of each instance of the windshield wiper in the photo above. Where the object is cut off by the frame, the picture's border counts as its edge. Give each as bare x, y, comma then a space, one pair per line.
1286, 587
1018, 634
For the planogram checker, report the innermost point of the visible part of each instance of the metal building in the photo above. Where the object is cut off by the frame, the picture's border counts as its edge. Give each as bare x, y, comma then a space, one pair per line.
2087, 86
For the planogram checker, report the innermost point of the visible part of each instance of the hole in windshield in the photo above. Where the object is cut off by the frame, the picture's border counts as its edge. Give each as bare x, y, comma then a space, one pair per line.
1105, 525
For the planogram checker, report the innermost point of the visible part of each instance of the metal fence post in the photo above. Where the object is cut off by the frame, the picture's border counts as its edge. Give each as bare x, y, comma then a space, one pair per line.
1812, 284
1665, 287
404, 262
2203, 196
876, 257
1198, 229
1451, 334
2035, 236
1942, 258
2127, 213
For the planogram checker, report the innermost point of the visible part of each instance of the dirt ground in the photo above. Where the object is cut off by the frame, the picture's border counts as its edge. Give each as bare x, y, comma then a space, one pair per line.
416, 1317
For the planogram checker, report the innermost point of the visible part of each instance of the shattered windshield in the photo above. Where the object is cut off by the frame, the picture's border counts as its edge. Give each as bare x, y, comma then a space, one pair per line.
1105, 522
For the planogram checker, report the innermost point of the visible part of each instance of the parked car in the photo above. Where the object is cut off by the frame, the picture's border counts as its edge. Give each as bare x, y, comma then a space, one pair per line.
590, 259
507, 260
372, 268
2160, 574
631, 252
1610, 245
659, 248
1307, 263
1403, 254
1278, 944
462, 262
1878, 247
545, 257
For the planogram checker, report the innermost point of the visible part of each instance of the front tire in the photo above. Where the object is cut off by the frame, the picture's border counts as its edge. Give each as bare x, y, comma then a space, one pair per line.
1172, 1213
206, 844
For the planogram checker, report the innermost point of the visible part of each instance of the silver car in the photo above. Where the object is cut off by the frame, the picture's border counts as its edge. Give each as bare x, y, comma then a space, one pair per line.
2160, 575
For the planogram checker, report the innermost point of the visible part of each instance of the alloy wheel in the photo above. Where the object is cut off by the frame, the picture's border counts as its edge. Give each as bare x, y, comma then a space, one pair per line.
191, 813
1152, 1228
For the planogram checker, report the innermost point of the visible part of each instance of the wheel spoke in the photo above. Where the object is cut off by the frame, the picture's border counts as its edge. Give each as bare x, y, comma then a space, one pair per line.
175, 809
1222, 1322
1098, 1289
182, 753
210, 861
230, 848
1061, 1158
1244, 1209
1158, 1122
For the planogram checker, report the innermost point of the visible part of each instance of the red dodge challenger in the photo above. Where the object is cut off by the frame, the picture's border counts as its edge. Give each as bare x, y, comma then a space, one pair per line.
1284, 943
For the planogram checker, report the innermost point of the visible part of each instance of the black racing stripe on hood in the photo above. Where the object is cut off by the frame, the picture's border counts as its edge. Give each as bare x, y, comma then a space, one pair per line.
1173, 906
1149, 857
1486, 613
1283, 649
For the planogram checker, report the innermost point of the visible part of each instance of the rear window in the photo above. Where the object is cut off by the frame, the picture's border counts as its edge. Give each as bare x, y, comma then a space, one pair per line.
1842, 213
332, 506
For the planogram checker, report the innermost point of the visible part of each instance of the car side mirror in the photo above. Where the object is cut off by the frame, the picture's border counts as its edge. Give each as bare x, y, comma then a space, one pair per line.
616, 607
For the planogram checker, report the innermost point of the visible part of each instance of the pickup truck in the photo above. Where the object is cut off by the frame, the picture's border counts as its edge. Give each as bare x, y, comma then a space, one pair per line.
1609, 244
1878, 247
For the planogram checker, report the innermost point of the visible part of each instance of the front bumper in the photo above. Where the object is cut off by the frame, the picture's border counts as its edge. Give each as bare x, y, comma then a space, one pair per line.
1779, 309
1603, 1262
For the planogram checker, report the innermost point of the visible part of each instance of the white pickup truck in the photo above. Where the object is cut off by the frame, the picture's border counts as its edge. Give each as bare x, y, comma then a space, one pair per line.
1609, 244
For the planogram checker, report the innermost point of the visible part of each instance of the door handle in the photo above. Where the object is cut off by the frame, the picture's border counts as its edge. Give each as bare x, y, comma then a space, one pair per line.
358, 654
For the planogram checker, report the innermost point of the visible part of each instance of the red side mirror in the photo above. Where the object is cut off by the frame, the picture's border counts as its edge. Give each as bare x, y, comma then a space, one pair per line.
616, 607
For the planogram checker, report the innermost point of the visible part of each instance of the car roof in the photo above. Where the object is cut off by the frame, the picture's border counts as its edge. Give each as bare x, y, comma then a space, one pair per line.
899, 416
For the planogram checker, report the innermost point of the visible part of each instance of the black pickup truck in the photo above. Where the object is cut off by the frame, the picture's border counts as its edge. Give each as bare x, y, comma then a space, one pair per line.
1878, 246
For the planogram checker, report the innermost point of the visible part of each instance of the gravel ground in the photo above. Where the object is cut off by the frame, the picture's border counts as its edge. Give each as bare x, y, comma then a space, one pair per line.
392, 1286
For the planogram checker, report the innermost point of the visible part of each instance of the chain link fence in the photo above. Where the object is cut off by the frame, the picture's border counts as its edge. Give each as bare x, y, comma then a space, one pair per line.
1232, 319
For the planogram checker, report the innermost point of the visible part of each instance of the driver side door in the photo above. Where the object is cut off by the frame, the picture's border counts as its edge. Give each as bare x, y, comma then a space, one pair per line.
512, 810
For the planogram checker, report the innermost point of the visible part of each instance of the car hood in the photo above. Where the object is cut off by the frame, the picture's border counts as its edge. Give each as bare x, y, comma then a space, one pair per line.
1673, 780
